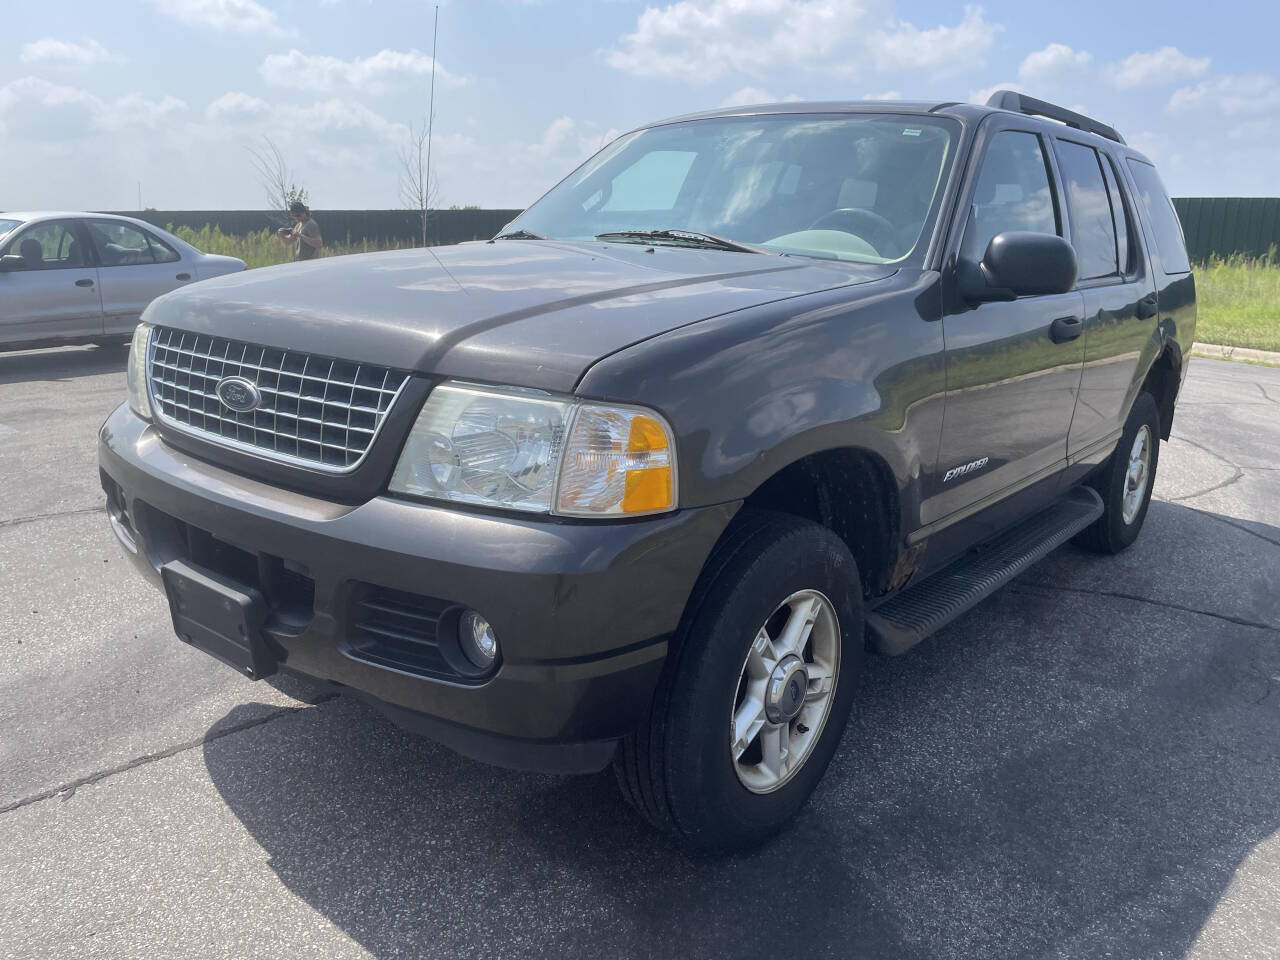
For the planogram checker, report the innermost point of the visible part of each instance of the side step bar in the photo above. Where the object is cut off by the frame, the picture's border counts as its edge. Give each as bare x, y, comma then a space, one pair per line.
901, 622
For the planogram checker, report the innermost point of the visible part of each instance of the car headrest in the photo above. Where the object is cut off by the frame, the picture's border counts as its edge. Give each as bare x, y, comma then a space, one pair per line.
32, 252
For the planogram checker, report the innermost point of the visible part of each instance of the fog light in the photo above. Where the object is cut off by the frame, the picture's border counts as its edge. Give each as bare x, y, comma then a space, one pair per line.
477, 639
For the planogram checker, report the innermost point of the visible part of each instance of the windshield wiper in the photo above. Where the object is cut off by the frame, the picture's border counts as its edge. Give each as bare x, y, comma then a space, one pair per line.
520, 234
694, 237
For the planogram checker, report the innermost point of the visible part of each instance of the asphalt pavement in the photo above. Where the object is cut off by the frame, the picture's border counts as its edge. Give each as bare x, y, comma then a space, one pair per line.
1085, 765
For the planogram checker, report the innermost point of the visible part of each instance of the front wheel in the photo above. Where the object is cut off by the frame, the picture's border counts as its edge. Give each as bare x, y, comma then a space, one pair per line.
1126, 481
757, 689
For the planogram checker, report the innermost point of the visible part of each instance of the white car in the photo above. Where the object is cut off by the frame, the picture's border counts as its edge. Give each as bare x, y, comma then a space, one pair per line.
77, 277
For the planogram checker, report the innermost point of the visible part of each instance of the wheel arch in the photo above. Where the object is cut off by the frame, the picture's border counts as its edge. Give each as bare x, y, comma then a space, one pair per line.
1162, 381
852, 492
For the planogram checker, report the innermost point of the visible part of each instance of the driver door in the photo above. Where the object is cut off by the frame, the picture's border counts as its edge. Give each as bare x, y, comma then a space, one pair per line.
54, 294
1011, 386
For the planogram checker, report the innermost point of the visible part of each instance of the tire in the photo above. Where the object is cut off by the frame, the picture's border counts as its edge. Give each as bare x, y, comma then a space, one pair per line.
678, 769
1118, 527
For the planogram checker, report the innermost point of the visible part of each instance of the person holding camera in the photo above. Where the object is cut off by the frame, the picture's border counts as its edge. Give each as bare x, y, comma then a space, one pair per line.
304, 234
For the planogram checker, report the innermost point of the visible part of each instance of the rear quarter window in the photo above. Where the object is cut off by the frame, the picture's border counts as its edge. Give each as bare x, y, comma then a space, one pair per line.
1170, 244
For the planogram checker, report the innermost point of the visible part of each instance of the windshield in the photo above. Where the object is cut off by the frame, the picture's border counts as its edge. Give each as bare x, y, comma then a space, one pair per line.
6, 226
846, 187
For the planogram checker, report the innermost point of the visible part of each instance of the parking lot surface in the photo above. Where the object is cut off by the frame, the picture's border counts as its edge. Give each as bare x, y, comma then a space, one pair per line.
1085, 765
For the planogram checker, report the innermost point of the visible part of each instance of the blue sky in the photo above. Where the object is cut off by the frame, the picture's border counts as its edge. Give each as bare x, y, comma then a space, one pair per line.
95, 97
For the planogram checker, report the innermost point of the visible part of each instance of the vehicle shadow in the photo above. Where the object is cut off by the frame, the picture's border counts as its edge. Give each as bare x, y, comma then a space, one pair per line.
62, 363
1066, 771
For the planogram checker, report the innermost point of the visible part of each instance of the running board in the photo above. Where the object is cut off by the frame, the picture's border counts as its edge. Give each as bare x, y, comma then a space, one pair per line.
901, 622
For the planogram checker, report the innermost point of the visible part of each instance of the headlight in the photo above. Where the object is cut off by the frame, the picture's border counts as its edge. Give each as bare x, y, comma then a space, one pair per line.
618, 461
516, 448
136, 372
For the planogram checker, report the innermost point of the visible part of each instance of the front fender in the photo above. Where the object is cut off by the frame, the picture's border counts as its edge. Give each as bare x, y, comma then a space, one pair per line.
751, 392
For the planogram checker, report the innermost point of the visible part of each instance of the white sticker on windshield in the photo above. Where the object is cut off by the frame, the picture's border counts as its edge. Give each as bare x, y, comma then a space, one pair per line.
910, 133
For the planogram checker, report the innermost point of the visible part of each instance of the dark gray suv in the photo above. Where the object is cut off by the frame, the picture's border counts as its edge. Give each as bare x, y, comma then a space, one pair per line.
640, 479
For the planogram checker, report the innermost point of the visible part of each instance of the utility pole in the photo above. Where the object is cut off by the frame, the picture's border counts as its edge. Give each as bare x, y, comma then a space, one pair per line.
431, 115
139, 194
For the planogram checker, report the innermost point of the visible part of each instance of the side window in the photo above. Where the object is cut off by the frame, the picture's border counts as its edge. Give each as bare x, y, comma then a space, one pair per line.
1125, 236
1164, 219
651, 183
161, 252
1012, 193
119, 244
47, 246
1093, 232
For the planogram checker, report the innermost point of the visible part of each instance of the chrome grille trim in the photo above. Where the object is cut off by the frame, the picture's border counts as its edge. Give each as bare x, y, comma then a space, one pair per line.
316, 412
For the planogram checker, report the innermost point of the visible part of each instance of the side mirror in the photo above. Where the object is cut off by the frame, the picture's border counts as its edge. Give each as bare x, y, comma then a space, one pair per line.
1019, 264
11, 261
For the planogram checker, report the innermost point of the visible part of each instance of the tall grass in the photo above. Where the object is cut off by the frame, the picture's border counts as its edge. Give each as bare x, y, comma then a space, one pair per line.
264, 248
1238, 301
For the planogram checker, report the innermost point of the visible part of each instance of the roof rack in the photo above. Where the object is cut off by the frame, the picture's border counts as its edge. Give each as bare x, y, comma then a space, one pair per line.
1021, 103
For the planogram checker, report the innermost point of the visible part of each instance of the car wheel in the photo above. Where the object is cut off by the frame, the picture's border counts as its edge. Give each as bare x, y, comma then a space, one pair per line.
757, 688
1126, 481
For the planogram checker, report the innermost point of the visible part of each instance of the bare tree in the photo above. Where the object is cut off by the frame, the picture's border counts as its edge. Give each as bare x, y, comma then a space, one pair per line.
418, 188
276, 178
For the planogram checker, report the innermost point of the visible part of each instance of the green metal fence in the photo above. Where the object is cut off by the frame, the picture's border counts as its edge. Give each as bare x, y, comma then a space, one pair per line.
1214, 226
1221, 226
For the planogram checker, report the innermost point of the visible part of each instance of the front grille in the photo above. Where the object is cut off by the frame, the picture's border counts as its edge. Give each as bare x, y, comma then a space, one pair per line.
314, 411
391, 628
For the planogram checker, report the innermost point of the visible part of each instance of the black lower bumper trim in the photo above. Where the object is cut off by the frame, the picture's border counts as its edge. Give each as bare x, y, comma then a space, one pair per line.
529, 755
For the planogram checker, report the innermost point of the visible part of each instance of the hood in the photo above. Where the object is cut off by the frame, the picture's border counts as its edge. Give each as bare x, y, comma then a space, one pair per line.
520, 312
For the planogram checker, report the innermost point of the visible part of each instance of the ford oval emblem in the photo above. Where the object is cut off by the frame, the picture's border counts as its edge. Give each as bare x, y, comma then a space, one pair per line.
238, 394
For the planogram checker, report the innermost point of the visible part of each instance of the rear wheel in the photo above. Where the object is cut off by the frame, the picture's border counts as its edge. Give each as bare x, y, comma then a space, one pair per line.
1126, 481
757, 689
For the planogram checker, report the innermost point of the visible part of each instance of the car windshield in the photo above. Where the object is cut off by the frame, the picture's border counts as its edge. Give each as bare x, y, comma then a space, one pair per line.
840, 187
6, 226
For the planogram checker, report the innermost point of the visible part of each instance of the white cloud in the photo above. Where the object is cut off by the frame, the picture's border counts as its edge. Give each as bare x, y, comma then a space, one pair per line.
234, 105
345, 117
42, 92
703, 40
554, 137
746, 96
299, 71
1229, 95
35, 109
941, 50
39, 110
135, 110
1154, 67
884, 95
983, 94
241, 16
66, 53
1054, 62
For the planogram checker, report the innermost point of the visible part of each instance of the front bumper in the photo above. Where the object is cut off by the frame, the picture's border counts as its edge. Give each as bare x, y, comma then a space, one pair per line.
583, 611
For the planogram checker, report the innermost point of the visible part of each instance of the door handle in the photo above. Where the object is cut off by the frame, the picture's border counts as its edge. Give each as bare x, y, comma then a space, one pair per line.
1065, 328
1147, 307
184, 276
84, 283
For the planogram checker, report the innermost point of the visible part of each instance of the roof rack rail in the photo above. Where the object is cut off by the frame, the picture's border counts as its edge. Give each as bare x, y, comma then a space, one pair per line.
1021, 103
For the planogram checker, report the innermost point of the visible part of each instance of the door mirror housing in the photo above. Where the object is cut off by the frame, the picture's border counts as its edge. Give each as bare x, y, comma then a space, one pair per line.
1019, 264
11, 261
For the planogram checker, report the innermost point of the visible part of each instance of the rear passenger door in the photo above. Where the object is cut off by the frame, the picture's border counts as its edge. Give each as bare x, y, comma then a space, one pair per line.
135, 267
1119, 294
1011, 388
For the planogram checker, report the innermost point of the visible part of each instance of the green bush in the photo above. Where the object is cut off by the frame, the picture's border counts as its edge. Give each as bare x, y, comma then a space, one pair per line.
1238, 301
